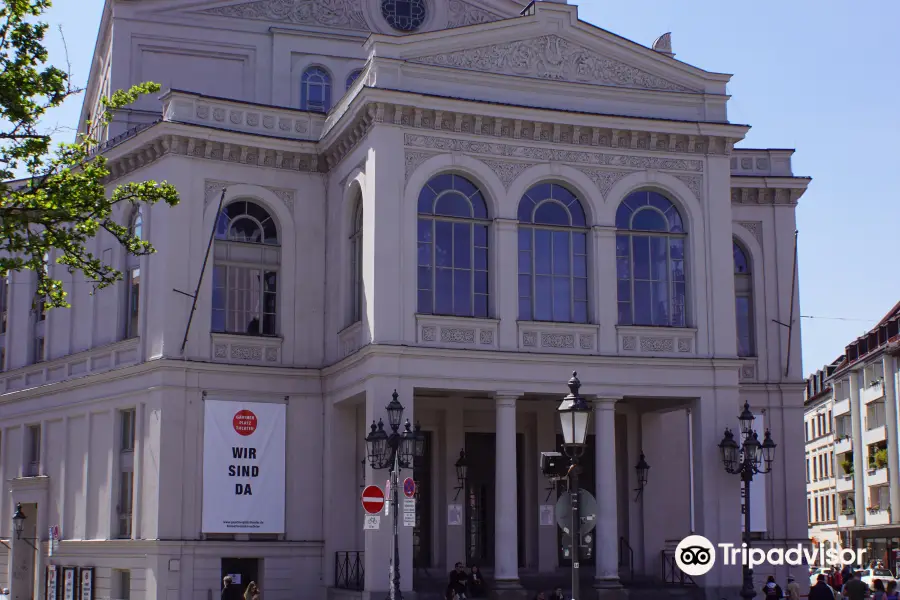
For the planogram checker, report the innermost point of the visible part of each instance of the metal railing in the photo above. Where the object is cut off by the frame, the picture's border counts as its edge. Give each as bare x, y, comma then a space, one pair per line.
671, 574
626, 557
349, 570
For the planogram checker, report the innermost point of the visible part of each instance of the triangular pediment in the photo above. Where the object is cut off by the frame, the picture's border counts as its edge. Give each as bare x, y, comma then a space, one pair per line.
554, 58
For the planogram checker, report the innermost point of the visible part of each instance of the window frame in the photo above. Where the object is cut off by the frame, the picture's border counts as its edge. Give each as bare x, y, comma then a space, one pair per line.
224, 266
433, 219
630, 233
749, 296
327, 83
352, 78
33, 459
356, 255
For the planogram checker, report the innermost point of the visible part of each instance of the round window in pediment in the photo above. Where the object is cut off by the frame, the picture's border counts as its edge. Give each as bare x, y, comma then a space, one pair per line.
404, 15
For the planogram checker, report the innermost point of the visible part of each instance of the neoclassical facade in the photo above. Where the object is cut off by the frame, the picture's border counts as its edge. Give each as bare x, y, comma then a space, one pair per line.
463, 202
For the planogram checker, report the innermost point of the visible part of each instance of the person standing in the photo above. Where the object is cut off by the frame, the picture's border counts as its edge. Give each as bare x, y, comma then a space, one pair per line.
772, 591
252, 591
793, 589
230, 591
821, 590
854, 588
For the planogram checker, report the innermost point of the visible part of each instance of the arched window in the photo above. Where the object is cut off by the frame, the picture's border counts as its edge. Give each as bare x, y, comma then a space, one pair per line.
133, 278
351, 79
315, 90
743, 301
453, 248
553, 281
356, 240
650, 245
245, 276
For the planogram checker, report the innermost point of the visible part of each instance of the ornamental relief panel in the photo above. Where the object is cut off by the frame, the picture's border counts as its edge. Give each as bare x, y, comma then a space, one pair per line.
345, 14
213, 191
551, 57
463, 14
754, 227
441, 144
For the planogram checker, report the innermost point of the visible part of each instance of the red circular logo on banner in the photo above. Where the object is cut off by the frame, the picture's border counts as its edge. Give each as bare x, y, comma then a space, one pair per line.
244, 422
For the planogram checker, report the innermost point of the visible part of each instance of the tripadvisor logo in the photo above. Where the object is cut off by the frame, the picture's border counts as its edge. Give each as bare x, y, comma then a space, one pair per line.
695, 555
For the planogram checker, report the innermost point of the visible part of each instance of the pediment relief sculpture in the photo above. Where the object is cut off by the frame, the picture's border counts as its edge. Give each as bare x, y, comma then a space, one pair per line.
464, 13
551, 57
345, 14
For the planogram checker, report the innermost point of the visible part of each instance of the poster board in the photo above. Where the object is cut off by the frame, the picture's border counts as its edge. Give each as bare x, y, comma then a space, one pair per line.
86, 583
53, 578
69, 590
243, 467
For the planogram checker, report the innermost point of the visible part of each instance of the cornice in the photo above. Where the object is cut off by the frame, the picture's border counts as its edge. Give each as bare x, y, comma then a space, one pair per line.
768, 190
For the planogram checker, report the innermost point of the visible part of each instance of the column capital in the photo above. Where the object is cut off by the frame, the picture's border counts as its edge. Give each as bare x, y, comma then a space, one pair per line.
507, 398
502, 224
604, 403
608, 231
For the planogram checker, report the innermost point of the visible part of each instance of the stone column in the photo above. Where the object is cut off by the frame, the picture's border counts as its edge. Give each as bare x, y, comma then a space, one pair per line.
506, 519
455, 438
859, 450
547, 534
607, 554
890, 405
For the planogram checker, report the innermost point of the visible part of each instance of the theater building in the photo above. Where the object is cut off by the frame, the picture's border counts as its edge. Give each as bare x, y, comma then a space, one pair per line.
461, 201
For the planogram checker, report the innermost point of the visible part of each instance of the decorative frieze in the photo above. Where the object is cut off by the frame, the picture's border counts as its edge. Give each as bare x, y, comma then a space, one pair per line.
457, 332
507, 171
465, 13
553, 58
766, 195
558, 337
754, 227
748, 371
604, 180
442, 144
415, 159
344, 14
214, 190
656, 341
245, 350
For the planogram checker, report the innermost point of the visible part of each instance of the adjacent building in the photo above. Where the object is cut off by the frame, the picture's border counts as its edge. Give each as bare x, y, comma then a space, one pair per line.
461, 201
851, 415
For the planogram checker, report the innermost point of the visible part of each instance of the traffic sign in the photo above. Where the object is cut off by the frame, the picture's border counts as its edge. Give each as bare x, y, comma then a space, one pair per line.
372, 522
587, 510
373, 499
409, 487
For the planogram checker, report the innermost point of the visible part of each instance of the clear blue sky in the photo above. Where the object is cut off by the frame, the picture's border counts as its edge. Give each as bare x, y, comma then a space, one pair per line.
821, 77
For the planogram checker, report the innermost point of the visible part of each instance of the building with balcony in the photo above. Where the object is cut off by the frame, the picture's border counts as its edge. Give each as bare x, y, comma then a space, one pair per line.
461, 201
859, 392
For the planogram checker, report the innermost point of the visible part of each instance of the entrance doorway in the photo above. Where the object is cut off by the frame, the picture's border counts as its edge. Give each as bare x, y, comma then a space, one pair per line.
242, 571
481, 450
422, 529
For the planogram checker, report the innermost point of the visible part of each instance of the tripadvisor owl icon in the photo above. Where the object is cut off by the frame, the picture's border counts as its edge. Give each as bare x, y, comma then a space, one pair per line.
695, 555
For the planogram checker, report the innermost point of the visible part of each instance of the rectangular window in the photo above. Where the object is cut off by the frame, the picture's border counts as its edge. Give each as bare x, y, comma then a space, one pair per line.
133, 309
127, 430
33, 449
126, 488
121, 585
244, 300
38, 350
816, 510
807, 470
4, 303
830, 423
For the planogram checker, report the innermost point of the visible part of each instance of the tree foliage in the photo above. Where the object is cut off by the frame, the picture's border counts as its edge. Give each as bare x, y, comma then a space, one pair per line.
63, 201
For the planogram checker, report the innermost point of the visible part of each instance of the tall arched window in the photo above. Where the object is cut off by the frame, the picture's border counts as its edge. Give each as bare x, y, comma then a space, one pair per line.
650, 245
351, 79
245, 276
743, 301
553, 281
356, 240
315, 90
133, 279
453, 248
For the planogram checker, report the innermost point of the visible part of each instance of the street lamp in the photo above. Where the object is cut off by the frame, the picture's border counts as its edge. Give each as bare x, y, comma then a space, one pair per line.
641, 468
574, 417
747, 460
18, 520
394, 451
462, 469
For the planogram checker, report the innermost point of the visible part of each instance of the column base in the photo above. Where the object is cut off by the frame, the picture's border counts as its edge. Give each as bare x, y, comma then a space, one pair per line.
508, 589
607, 583
609, 589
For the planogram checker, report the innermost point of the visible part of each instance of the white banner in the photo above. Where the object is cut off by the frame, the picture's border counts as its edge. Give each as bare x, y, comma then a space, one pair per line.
243, 467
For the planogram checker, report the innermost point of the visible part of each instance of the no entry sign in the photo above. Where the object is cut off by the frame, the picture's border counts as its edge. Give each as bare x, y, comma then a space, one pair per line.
373, 499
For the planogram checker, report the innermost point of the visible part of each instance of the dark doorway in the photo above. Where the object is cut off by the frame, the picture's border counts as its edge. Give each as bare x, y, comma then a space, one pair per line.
422, 530
586, 482
481, 450
242, 571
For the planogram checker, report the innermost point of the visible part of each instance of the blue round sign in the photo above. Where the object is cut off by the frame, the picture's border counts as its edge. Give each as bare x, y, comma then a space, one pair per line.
409, 487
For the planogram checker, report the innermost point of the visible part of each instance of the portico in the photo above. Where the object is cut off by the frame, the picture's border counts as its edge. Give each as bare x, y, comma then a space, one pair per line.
493, 519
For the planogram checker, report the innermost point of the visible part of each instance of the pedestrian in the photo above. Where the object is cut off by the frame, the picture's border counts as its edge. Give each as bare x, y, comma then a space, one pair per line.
854, 588
793, 589
891, 592
458, 581
230, 591
879, 593
252, 591
477, 587
821, 590
772, 591
838, 579
557, 594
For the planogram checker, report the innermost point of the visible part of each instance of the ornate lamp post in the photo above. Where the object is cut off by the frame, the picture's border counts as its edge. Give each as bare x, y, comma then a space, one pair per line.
574, 416
394, 451
462, 470
641, 468
18, 520
747, 460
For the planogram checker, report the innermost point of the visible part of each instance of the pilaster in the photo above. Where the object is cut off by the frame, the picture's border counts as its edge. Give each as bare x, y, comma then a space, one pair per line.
547, 534
505, 291
455, 549
607, 544
859, 450
889, 364
506, 520
604, 309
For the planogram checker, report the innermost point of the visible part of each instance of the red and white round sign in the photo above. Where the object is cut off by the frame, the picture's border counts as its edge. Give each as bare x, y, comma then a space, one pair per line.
244, 422
373, 499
